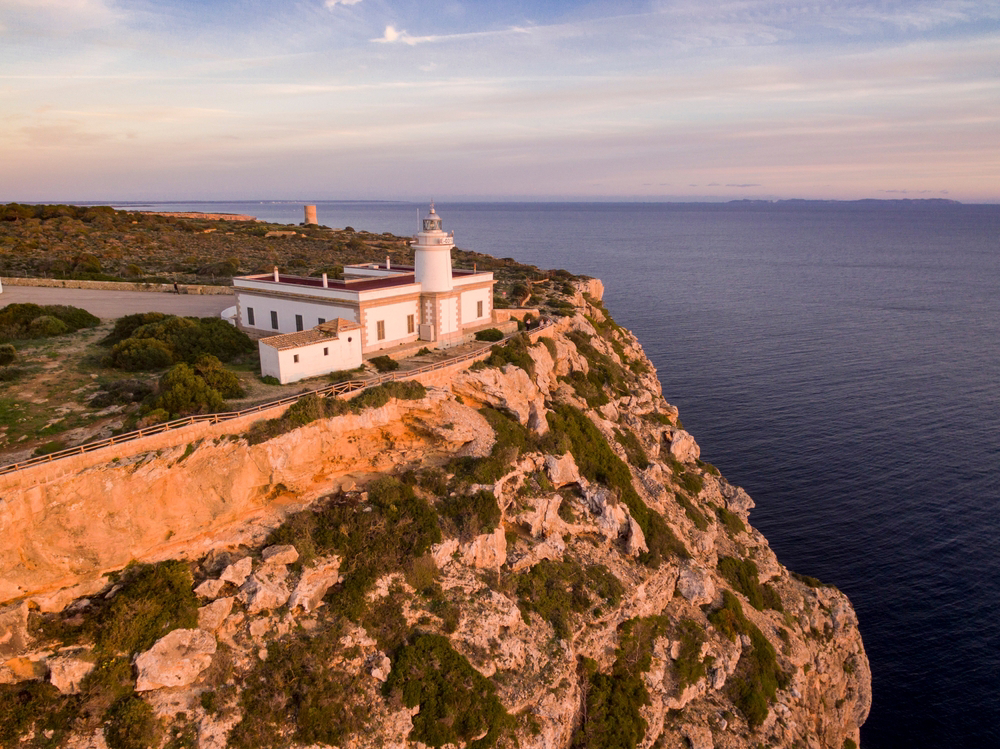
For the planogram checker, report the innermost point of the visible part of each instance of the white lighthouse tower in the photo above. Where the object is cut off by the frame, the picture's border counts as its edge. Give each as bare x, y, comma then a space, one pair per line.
432, 255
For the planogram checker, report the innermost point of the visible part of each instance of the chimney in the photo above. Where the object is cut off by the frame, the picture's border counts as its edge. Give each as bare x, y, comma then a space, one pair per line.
388, 264
276, 279
326, 285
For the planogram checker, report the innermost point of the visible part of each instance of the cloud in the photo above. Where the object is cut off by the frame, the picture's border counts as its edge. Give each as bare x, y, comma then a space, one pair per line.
55, 16
331, 4
393, 35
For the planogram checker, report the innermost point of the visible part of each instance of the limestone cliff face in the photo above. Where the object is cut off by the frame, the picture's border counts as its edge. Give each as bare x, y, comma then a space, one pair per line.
577, 588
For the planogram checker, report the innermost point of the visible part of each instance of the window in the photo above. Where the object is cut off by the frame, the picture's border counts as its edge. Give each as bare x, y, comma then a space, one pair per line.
479, 309
295, 358
326, 351
298, 322
409, 323
249, 315
380, 330
274, 320
321, 320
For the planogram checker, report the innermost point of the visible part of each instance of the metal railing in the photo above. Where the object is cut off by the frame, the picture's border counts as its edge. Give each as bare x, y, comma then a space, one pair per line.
335, 390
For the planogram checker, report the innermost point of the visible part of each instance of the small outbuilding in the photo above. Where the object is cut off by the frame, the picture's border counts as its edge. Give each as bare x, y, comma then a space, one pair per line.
328, 347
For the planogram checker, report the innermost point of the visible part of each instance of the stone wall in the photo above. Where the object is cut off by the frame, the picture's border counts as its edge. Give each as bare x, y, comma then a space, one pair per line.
116, 285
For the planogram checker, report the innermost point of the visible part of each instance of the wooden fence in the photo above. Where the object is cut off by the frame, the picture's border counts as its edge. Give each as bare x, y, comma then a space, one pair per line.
335, 390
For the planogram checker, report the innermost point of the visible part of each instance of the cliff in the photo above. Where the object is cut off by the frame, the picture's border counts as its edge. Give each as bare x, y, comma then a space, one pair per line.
531, 554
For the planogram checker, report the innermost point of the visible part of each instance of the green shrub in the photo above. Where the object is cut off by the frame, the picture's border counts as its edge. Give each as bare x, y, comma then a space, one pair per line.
743, 576
141, 355
304, 411
633, 448
695, 515
689, 667
12, 374
512, 440
397, 523
758, 677
270, 380
297, 685
514, 351
7, 354
18, 321
186, 338
130, 724
24, 706
127, 325
471, 515
598, 462
210, 369
458, 705
490, 334
732, 522
344, 375
611, 718
121, 392
556, 590
154, 600
384, 363
183, 392
380, 395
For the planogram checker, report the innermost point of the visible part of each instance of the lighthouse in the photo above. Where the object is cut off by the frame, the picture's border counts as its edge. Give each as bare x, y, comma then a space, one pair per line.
432, 255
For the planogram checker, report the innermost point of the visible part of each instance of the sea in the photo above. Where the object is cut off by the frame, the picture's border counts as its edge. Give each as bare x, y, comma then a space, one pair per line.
841, 362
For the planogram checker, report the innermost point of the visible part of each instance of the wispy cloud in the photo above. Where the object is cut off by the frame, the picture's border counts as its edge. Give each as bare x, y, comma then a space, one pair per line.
394, 35
331, 4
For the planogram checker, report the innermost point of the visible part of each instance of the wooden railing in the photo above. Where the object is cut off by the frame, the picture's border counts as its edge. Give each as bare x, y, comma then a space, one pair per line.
335, 390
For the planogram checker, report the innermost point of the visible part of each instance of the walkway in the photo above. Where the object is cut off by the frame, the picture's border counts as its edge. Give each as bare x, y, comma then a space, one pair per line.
109, 305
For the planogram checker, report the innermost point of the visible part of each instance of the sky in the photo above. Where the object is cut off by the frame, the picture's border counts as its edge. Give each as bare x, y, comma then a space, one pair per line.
523, 100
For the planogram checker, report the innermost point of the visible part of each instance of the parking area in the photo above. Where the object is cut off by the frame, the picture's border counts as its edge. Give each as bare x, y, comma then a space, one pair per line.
112, 304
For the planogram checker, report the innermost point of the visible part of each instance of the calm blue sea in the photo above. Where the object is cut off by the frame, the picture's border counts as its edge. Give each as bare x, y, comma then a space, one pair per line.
842, 363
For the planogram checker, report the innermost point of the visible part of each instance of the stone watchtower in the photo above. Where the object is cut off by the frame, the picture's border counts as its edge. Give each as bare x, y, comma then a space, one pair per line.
439, 308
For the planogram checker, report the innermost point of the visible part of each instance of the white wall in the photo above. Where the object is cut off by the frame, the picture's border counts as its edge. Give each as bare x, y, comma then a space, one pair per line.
447, 316
469, 299
394, 316
287, 309
340, 354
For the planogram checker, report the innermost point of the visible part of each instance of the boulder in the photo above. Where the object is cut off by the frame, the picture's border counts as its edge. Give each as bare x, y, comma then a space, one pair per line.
265, 589
210, 589
562, 470
175, 660
696, 585
211, 617
314, 583
67, 671
737, 500
284, 554
237, 572
544, 520
635, 541
684, 448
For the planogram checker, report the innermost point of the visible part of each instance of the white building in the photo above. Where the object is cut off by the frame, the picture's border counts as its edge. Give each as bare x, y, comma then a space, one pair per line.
389, 306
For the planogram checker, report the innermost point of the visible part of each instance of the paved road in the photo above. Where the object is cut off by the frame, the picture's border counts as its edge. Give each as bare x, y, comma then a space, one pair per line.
111, 304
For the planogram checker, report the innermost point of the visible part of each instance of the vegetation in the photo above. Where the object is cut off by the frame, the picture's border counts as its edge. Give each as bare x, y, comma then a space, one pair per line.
512, 440
458, 705
598, 462
758, 677
380, 395
384, 363
130, 724
695, 515
490, 334
168, 339
732, 522
24, 321
467, 516
184, 392
296, 685
743, 576
514, 351
556, 590
396, 522
8, 354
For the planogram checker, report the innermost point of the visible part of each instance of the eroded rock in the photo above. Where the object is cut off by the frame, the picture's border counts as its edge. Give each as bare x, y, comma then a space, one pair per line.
175, 660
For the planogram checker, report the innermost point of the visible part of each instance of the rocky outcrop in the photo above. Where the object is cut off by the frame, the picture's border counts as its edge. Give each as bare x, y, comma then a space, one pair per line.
616, 552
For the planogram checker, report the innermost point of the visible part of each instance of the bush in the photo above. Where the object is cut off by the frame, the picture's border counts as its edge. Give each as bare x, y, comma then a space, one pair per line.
380, 395
184, 338
458, 705
12, 374
210, 369
743, 576
384, 363
297, 685
141, 355
556, 590
129, 724
512, 440
182, 392
127, 325
471, 515
121, 392
732, 522
8, 354
490, 334
515, 352
18, 321
304, 411
154, 599
27, 705
757, 679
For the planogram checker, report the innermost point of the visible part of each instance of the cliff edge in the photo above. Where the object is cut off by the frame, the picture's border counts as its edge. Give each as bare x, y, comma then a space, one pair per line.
531, 554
